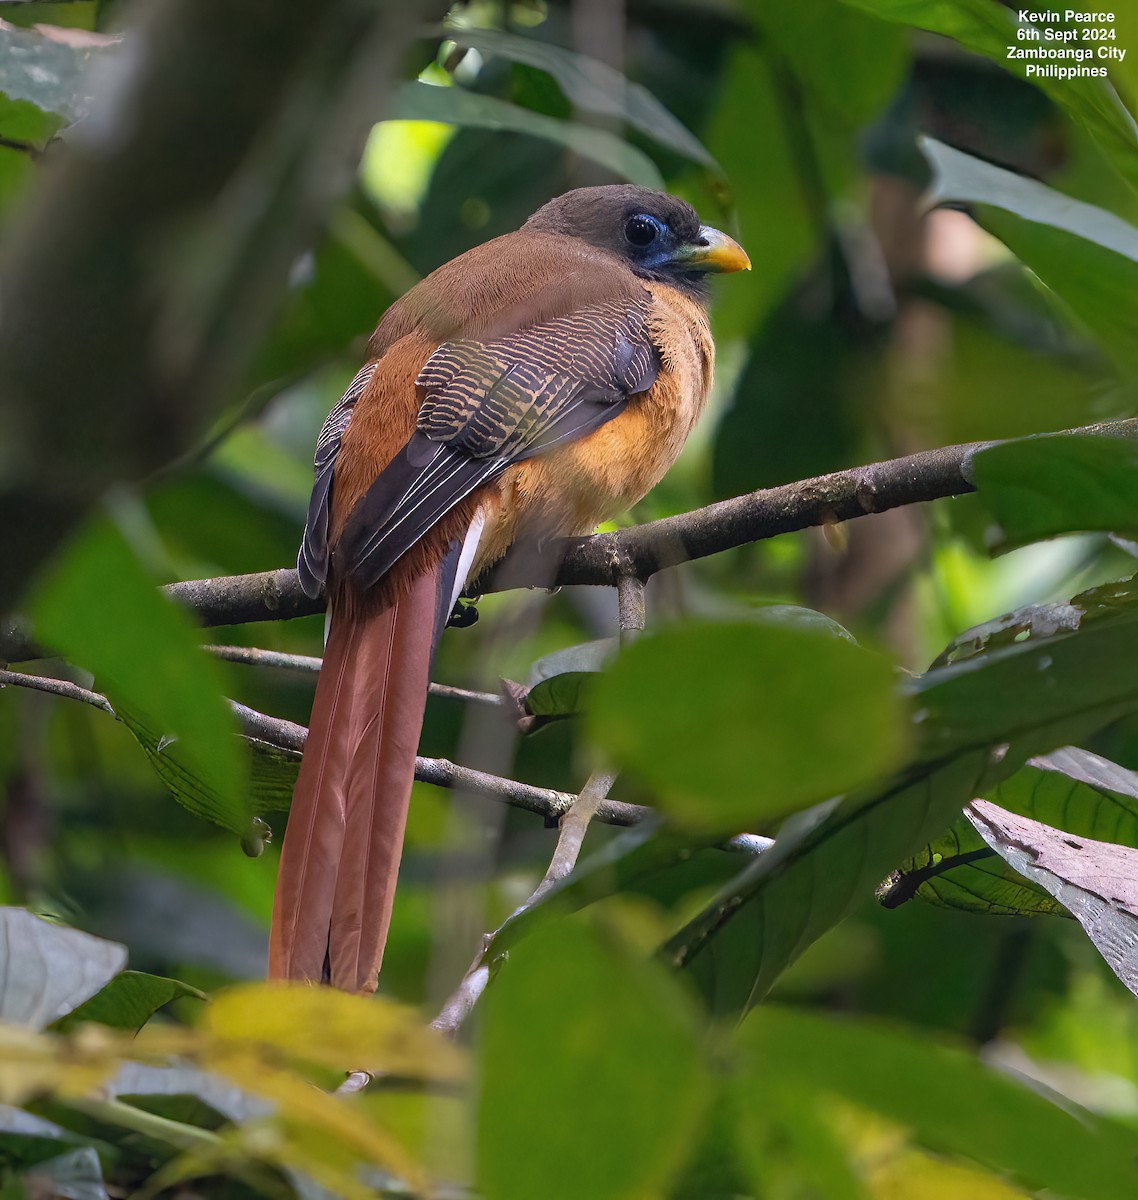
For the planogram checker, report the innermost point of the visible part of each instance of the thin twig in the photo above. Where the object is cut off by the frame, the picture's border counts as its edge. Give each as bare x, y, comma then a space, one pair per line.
547, 803
574, 825
252, 656
56, 687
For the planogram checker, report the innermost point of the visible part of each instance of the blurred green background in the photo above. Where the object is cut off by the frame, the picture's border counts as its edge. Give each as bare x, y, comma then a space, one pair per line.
870, 327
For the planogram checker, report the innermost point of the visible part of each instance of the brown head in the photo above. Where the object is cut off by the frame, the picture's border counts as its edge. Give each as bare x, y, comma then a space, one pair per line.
659, 236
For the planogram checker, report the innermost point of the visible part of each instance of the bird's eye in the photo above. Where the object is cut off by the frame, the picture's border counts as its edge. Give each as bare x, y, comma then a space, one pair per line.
641, 230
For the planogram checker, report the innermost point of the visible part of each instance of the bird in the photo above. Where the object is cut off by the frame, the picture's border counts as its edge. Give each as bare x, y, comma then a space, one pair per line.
532, 387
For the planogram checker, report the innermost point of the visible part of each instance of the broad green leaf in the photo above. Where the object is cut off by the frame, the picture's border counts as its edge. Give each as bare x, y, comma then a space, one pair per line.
624, 1131
950, 1100
1072, 789
1097, 882
1086, 255
47, 970
417, 101
734, 724
591, 86
1039, 487
128, 1001
989, 29
99, 607
826, 861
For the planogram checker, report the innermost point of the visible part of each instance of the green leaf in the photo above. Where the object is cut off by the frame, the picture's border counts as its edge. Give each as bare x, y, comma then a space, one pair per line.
48, 970
624, 1132
559, 681
99, 607
1072, 789
1086, 255
828, 860
948, 1099
591, 86
989, 29
417, 101
129, 1000
733, 724
1039, 487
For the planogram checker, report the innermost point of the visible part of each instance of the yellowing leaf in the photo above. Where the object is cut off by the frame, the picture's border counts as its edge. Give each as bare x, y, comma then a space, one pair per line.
333, 1029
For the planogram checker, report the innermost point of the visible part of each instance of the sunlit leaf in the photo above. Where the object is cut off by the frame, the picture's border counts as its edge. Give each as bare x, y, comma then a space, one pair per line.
736, 723
48, 970
332, 1028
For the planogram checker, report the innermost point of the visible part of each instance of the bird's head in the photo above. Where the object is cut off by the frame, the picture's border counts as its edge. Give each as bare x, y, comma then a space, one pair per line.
659, 236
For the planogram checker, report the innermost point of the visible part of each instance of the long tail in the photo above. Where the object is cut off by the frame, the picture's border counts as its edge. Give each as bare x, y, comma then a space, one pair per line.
344, 839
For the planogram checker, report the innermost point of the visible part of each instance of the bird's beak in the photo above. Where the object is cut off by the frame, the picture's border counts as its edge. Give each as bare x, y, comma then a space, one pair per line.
714, 251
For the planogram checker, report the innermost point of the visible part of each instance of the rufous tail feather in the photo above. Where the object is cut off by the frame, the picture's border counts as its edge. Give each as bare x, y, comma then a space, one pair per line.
341, 852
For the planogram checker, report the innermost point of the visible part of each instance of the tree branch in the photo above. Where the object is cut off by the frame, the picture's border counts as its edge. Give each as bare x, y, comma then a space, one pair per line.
547, 803
641, 551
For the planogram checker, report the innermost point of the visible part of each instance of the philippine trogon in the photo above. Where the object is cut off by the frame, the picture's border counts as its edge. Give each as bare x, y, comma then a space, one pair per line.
535, 386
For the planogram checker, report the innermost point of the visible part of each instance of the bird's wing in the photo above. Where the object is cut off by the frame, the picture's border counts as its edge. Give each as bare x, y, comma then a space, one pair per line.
487, 404
312, 562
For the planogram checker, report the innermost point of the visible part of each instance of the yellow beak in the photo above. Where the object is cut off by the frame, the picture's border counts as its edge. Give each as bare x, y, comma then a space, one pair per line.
714, 251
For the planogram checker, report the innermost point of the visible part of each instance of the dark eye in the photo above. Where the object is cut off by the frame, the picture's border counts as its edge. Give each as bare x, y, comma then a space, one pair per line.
641, 230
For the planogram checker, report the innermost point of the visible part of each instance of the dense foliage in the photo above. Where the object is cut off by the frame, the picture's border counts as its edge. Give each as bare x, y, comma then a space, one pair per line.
889, 1001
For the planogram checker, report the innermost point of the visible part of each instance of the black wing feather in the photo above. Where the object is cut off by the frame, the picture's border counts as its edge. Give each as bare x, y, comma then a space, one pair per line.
312, 562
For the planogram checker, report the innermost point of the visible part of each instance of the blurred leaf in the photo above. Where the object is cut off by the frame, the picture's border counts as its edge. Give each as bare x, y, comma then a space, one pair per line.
98, 606
129, 1000
736, 723
26, 1138
952, 1102
418, 101
329, 1027
624, 1132
1086, 255
1031, 696
1086, 795
989, 29
76, 1175
1039, 487
47, 970
592, 86
43, 71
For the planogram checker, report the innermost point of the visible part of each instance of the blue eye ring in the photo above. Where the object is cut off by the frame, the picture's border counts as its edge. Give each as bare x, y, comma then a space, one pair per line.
641, 230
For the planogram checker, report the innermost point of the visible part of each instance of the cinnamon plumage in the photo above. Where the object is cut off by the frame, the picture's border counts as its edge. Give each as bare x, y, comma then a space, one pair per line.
535, 386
